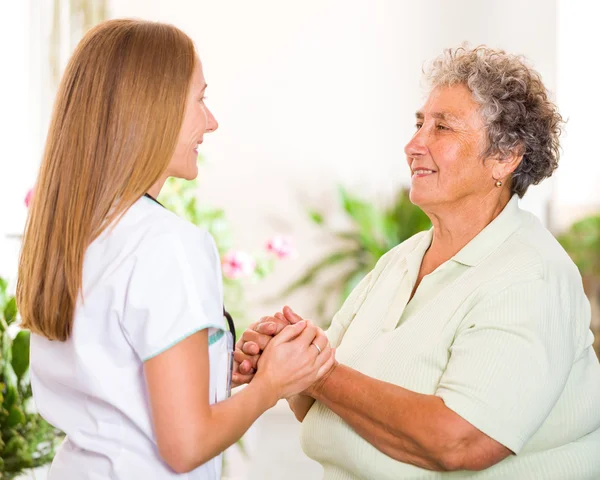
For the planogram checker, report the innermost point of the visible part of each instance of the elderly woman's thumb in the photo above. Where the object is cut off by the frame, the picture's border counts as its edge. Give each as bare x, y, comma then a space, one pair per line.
291, 316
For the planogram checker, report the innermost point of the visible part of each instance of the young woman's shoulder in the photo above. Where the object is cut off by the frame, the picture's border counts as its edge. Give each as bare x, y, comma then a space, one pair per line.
162, 222
150, 231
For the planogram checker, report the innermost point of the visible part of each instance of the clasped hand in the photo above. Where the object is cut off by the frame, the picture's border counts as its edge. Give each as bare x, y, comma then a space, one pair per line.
289, 352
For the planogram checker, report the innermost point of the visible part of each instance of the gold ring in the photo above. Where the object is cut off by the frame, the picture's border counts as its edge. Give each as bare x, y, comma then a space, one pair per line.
318, 348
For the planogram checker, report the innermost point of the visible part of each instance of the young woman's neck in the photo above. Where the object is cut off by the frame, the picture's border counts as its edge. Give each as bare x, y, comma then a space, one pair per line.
154, 190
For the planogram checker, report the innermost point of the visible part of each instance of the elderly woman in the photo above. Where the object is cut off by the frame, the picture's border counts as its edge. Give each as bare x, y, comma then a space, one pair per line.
467, 349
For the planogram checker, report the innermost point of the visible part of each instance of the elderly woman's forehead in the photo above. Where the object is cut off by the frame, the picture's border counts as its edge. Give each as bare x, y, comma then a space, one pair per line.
451, 103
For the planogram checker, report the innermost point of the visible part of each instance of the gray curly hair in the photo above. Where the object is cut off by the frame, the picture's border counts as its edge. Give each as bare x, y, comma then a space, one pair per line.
519, 116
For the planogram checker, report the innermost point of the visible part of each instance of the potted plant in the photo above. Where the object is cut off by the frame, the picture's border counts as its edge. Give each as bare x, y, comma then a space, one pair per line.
26, 439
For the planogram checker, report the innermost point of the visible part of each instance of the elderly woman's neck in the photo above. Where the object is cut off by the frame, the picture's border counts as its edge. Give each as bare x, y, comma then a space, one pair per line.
454, 226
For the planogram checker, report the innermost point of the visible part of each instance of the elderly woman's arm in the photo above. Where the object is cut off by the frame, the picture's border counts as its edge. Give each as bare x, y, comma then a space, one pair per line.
300, 404
407, 426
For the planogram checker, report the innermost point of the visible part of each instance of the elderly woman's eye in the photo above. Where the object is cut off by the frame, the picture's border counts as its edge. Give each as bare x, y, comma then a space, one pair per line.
442, 127
418, 125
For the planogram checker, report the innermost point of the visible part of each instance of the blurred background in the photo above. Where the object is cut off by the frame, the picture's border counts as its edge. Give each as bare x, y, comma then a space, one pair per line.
303, 185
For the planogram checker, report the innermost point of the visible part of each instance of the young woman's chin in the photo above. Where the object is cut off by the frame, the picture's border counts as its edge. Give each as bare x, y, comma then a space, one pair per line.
190, 172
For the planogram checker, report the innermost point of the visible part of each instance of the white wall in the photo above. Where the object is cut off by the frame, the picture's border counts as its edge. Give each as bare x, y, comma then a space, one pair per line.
20, 132
576, 191
310, 94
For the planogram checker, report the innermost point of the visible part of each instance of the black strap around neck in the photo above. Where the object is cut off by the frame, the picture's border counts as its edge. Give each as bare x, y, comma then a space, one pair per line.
147, 195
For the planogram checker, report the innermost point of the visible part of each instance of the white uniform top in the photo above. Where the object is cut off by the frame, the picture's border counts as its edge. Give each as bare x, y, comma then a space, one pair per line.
148, 283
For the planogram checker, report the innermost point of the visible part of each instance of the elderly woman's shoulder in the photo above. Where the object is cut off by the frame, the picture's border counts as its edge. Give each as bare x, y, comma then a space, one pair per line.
535, 250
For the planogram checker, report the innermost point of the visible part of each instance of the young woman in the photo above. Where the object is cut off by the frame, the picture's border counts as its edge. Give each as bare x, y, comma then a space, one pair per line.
130, 352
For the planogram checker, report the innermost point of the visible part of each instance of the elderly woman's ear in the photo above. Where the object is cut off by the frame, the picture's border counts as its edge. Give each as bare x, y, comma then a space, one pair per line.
505, 166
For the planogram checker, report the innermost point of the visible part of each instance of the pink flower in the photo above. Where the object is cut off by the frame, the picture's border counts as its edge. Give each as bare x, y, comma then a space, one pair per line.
28, 197
238, 264
281, 246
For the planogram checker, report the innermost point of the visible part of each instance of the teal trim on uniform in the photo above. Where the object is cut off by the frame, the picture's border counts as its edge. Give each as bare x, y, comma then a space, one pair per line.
215, 337
183, 337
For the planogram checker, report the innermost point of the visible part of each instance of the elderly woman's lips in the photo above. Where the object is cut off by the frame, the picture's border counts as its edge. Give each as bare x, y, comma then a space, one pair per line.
422, 172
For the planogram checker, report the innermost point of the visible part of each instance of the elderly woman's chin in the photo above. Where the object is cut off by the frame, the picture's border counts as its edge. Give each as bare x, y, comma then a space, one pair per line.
422, 196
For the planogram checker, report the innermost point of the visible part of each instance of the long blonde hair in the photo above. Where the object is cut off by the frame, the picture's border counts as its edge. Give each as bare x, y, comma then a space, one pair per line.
114, 128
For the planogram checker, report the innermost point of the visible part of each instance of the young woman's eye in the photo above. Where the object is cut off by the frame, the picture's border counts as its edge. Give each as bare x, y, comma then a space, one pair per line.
203, 99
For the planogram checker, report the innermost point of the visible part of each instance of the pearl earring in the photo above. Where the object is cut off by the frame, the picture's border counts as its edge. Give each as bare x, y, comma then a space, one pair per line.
498, 183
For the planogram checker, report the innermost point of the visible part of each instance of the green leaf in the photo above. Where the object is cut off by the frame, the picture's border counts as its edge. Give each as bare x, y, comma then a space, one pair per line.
316, 217
9, 376
3, 288
15, 417
10, 311
16, 443
582, 243
20, 353
10, 397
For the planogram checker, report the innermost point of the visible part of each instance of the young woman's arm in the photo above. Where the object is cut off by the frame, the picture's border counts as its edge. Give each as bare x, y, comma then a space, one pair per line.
189, 430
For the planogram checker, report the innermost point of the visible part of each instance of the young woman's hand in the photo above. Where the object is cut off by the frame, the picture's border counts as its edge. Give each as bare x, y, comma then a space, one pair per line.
295, 359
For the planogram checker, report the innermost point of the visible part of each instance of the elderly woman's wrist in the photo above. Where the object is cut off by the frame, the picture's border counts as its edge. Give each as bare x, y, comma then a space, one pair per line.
317, 389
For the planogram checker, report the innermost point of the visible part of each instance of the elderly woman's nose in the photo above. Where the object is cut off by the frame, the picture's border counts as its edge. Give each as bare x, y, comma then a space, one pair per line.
417, 145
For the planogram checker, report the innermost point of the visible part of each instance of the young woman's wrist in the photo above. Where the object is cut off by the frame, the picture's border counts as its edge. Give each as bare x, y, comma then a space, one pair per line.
268, 392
